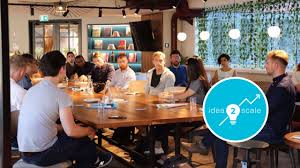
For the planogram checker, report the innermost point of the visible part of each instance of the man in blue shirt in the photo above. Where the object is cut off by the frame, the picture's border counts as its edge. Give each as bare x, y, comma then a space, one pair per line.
281, 98
179, 71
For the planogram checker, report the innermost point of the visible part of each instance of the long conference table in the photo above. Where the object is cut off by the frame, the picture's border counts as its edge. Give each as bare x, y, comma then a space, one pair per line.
139, 110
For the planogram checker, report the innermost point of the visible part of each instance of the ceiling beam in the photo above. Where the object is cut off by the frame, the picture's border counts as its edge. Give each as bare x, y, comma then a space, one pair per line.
69, 6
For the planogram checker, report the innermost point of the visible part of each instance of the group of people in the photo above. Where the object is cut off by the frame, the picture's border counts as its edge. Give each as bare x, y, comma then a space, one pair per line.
100, 71
54, 142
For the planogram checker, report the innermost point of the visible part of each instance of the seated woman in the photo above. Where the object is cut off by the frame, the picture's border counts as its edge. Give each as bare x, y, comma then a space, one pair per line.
159, 78
296, 81
198, 84
225, 71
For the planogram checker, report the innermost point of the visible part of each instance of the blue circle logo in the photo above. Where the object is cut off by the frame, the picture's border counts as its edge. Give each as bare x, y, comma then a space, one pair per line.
235, 109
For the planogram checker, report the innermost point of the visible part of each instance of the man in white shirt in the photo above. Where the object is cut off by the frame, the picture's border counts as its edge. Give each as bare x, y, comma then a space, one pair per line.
17, 65
124, 74
42, 141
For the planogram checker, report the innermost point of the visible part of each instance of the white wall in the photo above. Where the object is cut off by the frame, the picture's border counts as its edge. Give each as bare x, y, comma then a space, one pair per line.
19, 24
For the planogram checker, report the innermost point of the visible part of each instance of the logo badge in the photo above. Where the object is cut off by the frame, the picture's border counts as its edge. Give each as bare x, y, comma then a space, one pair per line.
235, 109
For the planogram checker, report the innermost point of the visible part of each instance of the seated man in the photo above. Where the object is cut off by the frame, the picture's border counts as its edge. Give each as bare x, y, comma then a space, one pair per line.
51, 143
70, 65
124, 74
159, 78
281, 98
17, 64
103, 72
83, 67
179, 71
31, 69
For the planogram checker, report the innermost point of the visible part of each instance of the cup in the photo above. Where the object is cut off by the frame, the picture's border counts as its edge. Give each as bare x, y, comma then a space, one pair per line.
193, 104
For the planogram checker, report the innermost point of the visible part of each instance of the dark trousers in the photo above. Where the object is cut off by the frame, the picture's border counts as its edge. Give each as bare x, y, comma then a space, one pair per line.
82, 150
221, 147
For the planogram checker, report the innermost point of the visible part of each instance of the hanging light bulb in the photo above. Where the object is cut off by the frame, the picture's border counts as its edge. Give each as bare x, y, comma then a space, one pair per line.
124, 13
181, 36
234, 34
204, 35
274, 31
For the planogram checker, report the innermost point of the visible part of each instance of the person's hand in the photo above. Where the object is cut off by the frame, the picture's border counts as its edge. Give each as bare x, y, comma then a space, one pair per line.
91, 133
107, 83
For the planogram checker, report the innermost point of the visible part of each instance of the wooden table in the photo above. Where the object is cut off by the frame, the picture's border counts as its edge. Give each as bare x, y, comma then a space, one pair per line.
139, 109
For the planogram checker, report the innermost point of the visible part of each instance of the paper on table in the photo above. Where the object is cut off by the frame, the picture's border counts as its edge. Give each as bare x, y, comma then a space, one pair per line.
296, 137
106, 106
170, 105
119, 100
131, 93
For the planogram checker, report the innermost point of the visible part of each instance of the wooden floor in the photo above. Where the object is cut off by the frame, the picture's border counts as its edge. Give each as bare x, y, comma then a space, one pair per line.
202, 161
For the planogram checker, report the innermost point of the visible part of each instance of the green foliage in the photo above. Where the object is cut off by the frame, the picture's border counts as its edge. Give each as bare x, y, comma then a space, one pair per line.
253, 20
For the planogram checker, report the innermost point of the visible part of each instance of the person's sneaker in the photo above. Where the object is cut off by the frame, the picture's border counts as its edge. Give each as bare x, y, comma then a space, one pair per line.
103, 160
195, 148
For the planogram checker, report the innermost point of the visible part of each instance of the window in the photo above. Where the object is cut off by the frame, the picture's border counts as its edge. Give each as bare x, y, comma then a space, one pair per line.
253, 19
63, 35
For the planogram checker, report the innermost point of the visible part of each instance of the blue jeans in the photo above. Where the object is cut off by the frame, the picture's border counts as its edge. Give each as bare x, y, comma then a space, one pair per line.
82, 150
221, 147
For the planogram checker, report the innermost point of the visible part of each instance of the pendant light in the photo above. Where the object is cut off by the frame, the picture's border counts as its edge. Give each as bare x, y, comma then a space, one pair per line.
204, 35
234, 33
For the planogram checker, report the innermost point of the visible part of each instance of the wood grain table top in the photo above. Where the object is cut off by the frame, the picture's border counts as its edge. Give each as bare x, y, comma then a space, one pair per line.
139, 109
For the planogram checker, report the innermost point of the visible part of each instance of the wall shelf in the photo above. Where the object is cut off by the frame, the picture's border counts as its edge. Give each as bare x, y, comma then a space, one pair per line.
109, 41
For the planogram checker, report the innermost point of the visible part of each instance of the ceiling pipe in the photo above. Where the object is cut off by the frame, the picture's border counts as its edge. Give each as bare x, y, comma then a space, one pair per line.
183, 12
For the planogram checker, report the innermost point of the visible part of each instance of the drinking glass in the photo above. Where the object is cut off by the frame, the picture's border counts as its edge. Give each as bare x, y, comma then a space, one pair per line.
193, 104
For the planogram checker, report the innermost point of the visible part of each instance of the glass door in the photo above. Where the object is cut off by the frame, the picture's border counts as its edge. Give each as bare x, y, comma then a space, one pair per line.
56, 35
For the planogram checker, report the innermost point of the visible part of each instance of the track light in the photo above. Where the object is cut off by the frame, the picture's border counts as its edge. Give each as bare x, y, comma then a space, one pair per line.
66, 13
137, 11
100, 12
174, 4
204, 0
31, 10
124, 13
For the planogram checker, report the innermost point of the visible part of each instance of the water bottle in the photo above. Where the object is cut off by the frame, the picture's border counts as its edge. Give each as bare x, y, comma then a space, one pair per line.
90, 87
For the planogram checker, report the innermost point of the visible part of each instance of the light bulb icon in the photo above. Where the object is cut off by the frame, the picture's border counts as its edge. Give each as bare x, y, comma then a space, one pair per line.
233, 112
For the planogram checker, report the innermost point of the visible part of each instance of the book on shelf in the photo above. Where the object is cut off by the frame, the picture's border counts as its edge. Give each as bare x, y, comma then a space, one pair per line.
98, 44
96, 31
116, 34
122, 45
112, 57
111, 47
130, 47
102, 55
107, 32
128, 31
132, 57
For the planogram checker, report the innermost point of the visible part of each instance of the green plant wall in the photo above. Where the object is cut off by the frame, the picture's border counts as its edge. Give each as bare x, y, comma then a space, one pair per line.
253, 20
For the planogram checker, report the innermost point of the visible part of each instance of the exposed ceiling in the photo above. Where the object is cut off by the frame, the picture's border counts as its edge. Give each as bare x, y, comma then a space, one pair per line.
143, 4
